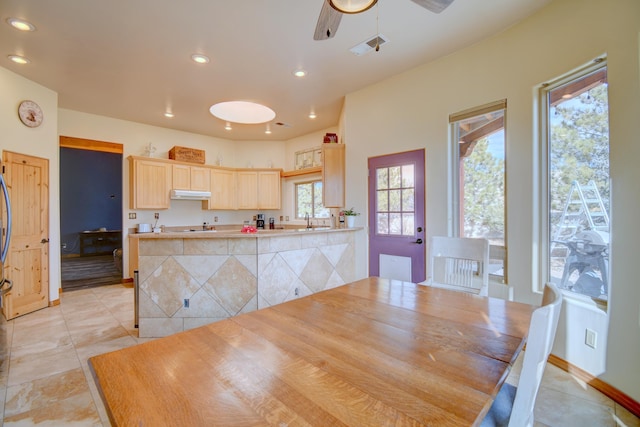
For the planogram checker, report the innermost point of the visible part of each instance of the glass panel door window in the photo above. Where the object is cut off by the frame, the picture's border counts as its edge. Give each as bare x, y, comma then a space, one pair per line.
578, 187
479, 179
395, 200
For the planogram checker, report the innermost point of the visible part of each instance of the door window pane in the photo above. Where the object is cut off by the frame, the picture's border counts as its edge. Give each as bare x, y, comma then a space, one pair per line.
395, 200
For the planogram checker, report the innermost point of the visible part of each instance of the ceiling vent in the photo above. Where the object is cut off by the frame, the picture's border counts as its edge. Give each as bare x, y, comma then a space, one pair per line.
287, 125
369, 45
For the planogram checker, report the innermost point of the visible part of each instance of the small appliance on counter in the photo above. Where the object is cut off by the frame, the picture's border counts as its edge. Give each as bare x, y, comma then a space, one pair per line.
260, 221
272, 223
143, 228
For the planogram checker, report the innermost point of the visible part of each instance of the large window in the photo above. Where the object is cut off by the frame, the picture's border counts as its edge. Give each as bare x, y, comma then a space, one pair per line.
309, 201
576, 155
478, 154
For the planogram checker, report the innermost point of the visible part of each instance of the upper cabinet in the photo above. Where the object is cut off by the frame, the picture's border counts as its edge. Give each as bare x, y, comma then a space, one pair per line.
223, 190
150, 183
269, 189
187, 177
258, 189
333, 175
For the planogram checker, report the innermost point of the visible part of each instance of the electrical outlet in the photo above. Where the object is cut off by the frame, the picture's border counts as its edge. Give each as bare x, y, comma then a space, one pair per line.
132, 215
297, 292
286, 218
281, 217
215, 219
156, 215
186, 303
590, 338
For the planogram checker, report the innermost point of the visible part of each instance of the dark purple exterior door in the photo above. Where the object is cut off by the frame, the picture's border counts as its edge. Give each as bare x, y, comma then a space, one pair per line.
396, 216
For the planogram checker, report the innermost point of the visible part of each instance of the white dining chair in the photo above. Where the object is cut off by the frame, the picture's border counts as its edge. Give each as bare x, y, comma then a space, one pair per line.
513, 407
459, 263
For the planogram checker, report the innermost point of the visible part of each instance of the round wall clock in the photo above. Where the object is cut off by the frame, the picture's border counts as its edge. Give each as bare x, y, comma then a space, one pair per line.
30, 114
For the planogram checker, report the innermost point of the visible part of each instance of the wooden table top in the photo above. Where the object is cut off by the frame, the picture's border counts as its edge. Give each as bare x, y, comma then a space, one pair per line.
373, 352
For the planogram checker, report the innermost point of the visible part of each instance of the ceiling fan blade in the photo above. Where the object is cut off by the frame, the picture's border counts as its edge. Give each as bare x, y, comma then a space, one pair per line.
328, 22
435, 6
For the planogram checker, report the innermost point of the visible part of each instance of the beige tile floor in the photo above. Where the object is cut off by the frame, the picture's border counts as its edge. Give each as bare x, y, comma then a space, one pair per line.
45, 379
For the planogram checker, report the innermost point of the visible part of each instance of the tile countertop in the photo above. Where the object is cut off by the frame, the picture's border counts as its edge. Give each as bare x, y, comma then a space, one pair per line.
233, 231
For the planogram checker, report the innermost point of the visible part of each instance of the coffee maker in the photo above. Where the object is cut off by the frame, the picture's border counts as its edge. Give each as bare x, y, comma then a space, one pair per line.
260, 221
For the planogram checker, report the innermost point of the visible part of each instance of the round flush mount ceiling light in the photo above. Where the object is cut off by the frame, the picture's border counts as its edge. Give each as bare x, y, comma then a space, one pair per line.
300, 73
352, 6
19, 59
20, 24
242, 112
200, 59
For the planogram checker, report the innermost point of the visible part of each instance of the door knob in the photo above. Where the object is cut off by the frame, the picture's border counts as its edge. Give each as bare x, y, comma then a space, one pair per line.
419, 241
44, 241
419, 229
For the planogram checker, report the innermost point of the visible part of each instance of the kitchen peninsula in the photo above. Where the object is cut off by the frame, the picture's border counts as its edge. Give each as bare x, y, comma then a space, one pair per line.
188, 279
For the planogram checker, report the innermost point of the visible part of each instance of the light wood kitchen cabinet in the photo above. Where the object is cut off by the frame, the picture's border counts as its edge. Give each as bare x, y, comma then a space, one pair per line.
269, 189
149, 183
333, 175
223, 190
187, 177
258, 189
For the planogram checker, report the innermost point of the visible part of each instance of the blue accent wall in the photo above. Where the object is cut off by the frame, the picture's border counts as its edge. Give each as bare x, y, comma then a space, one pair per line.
90, 195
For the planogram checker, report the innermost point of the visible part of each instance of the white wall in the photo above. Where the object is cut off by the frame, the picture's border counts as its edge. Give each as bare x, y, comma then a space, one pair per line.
39, 142
411, 111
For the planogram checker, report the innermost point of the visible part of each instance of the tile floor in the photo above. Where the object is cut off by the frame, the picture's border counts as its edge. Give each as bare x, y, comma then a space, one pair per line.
45, 379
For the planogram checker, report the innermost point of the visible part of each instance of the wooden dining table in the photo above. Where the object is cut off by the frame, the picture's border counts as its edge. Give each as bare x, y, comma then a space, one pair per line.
375, 352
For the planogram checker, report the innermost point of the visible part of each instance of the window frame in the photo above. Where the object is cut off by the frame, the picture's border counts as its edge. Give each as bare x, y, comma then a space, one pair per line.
542, 273
312, 214
497, 252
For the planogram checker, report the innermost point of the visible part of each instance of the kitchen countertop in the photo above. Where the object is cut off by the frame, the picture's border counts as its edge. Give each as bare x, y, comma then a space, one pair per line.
235, 232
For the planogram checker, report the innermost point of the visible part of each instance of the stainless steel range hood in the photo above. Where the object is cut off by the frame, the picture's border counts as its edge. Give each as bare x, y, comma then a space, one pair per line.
190, 195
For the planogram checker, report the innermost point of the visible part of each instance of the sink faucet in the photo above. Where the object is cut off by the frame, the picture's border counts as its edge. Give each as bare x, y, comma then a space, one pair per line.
306, 216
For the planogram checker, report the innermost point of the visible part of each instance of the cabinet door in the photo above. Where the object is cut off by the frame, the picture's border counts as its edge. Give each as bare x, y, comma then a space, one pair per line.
200, 178
333, 175
181, 177
247, 189
223, 190
150, 182
269, 190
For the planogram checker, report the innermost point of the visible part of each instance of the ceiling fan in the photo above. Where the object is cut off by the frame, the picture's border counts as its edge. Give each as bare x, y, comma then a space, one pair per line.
332, 10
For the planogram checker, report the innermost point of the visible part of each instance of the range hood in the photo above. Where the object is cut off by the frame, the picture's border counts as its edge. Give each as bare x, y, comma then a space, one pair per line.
190, 195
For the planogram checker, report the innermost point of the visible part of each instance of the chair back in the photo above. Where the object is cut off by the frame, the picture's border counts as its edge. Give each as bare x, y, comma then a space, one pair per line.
542, 331
459, 263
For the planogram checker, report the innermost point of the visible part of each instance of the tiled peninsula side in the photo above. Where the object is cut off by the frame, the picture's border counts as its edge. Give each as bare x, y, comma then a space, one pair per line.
219, 275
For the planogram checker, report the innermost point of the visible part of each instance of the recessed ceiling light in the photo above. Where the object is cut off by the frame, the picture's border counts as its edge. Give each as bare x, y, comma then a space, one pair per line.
168, 114
268, 129
312, 115
242, 112
228, 126
200, 59
18, 59
300, 73
21, 25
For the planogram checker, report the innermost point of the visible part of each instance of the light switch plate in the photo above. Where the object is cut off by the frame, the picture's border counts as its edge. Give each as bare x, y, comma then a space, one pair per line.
590, 338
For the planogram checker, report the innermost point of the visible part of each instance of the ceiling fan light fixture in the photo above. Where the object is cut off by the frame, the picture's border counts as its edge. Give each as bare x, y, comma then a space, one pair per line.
352, 6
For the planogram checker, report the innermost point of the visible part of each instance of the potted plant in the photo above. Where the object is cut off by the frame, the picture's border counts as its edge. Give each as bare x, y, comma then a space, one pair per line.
350, 215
